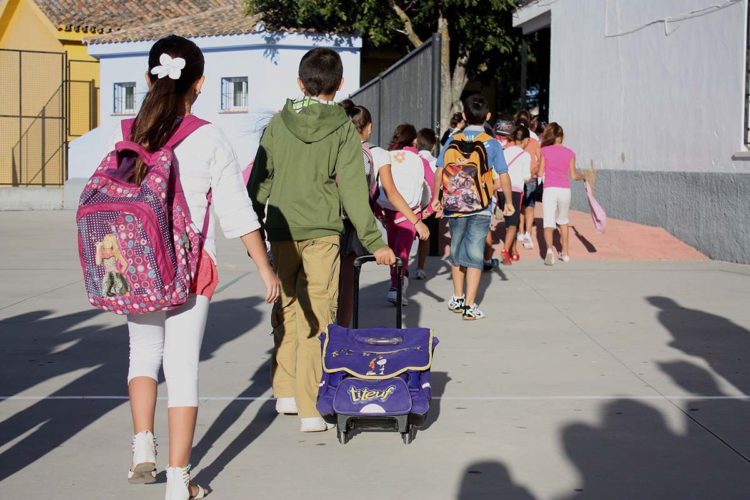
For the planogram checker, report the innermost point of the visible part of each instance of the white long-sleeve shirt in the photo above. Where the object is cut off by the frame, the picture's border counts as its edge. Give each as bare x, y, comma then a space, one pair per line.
208, 161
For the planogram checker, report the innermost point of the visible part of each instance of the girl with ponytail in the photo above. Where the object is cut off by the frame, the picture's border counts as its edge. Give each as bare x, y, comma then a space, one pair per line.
208, 170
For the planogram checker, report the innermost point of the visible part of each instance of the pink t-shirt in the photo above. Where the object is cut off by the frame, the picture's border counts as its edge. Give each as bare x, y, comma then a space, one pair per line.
556, 163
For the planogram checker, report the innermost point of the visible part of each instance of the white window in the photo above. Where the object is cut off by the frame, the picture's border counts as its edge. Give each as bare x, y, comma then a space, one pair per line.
234, 93
124, 98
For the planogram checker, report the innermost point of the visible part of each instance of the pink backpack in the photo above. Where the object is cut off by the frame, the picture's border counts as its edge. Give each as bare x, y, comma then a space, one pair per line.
138, 246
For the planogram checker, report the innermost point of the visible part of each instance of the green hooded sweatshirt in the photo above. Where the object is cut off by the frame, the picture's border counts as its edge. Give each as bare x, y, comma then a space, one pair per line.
308, 166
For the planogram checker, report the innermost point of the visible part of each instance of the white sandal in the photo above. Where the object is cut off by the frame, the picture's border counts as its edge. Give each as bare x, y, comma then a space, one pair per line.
143, 470
178, 485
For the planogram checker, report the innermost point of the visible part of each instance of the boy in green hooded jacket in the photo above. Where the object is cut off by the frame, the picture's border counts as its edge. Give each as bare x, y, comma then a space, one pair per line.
308, 166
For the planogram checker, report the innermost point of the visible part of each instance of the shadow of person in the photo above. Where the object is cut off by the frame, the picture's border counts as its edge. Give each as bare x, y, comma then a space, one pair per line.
490, 479
50, 422
632, 453
260, 383
590, 248
718, 340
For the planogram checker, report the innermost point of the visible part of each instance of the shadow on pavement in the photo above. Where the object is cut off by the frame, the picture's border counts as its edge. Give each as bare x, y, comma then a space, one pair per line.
633, 453
490, 479
44, 347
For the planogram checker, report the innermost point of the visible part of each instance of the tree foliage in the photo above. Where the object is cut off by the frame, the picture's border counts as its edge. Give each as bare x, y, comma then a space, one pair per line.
481, 41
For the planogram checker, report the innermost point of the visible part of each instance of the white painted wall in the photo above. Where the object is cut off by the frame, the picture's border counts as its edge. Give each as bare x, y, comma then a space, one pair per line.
269, 62
649, 100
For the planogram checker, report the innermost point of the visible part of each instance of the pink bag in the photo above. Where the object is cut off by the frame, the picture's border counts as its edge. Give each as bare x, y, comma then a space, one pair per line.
138, 245
597, 212
246, 173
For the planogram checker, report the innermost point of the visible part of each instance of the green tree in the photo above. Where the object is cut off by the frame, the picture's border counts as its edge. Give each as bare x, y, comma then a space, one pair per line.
477, 35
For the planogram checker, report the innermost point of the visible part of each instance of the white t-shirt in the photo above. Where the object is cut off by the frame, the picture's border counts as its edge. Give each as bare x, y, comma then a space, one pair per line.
207, 161
406, 179
430, 159
520, 168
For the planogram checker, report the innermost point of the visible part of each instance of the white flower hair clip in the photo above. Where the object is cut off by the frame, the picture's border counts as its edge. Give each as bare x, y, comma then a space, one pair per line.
171, 67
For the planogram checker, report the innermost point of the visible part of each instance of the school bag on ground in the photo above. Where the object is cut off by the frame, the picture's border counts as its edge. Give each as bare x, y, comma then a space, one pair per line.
376, 378
138, 245
467, 177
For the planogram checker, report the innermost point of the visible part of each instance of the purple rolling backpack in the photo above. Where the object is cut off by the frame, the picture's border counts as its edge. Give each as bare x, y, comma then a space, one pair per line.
376, 377
138, 246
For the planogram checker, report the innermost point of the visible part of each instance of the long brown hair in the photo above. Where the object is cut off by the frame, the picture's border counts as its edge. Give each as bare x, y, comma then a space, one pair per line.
158, 117
551, 133
404, 135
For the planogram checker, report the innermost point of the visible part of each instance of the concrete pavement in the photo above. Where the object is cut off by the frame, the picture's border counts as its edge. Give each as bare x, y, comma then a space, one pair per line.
597, 379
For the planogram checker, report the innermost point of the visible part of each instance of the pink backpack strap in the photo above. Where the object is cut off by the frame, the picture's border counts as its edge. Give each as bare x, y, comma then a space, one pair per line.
127, 128
187, 126
515, 158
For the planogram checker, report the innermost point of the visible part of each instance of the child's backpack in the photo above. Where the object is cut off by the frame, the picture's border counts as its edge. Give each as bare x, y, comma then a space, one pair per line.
467, 176
138, 246
407, 169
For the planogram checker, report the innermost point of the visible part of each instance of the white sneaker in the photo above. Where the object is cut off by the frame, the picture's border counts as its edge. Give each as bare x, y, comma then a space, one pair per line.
314, 424
286, 406
549, 259
520, 236
472, 313
391, 297
456, 304
178, 485
528, 242
565, 258
420, 275
143, 470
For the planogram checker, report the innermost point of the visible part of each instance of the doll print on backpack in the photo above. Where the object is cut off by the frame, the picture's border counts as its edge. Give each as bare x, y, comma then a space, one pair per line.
109, 256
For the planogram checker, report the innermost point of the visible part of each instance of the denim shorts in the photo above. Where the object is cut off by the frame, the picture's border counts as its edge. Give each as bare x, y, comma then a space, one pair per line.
468, 235
532, 191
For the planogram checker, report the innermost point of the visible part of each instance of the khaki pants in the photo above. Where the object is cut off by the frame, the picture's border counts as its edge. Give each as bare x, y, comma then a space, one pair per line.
309, 275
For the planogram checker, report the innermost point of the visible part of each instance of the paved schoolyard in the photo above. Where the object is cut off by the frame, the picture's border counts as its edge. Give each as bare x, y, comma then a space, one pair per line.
596, 379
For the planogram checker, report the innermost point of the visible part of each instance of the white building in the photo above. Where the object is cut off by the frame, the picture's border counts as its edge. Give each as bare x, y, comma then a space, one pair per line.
249, 72
654, 93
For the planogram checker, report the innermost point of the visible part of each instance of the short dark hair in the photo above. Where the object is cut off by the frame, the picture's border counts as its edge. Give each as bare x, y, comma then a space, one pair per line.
321, 71
426, 139
476, 108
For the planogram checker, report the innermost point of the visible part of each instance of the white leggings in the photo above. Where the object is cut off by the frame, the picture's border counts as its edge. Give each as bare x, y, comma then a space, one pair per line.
555, 205
173, 338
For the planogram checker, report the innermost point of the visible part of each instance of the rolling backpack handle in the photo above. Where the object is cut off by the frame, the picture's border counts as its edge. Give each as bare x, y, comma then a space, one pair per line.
399, 289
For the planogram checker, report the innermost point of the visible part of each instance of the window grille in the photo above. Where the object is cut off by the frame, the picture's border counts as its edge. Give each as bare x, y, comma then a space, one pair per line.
234, 93
124, 102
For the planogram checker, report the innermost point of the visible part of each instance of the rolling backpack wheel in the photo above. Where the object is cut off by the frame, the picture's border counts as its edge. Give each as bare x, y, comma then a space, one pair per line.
342, 435
409, 435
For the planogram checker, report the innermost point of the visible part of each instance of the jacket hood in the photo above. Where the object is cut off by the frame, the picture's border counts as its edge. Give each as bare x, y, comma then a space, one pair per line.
314, 122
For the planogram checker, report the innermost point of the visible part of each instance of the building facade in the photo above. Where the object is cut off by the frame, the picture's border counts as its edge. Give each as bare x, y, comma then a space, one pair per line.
654, 95
249, 73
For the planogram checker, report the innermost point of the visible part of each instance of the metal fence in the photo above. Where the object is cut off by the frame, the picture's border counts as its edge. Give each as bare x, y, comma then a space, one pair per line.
83, 97
33, 131
407, 92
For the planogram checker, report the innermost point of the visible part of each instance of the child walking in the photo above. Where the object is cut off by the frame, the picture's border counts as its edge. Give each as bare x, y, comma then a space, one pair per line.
519, 170
308, 166
404, 196
173, 339
453, 187
557, 163
426, 142
351, 247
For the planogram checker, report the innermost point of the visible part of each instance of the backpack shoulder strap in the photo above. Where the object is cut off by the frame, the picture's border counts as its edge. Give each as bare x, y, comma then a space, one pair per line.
187, 126
127, 128
516, 157
458, 137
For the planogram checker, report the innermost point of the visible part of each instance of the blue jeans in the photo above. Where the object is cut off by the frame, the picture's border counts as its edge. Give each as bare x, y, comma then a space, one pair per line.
468, 235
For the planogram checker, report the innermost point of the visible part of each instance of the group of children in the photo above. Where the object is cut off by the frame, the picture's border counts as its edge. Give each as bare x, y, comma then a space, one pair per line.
315, 190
